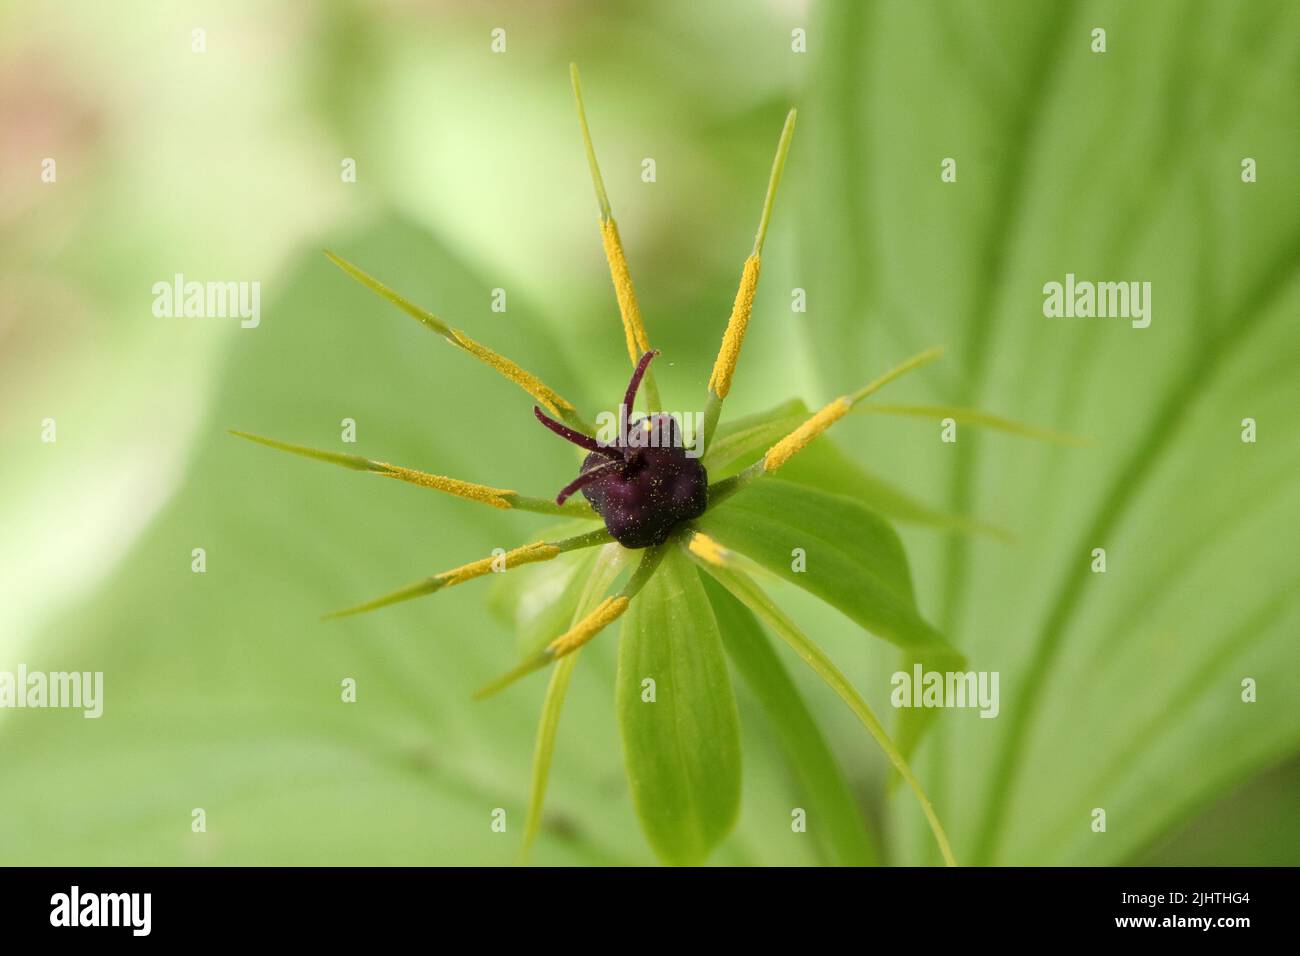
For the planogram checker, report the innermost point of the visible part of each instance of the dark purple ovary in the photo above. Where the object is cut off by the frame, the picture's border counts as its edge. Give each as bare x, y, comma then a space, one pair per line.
643, 484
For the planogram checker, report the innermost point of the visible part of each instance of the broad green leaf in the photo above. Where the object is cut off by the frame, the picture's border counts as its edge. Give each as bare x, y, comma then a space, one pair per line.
851, 558
835, 821
681, 748
745, 590
1257, 824
1120, 690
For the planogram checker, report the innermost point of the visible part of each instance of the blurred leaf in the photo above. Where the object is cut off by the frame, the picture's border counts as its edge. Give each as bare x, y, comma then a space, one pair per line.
834, 820
1257, 824
682, 749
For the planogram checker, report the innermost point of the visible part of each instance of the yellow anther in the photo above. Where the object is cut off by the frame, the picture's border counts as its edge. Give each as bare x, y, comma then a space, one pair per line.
798, 439
606, 612
525, 380
724, 367
529, 382
496, 497
633, 330
708, 549
526, 554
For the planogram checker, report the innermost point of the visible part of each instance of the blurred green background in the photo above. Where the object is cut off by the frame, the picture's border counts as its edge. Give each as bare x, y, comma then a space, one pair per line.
1120, 691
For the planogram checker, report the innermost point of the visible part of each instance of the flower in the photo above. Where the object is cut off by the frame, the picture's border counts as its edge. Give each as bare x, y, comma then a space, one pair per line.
659, 501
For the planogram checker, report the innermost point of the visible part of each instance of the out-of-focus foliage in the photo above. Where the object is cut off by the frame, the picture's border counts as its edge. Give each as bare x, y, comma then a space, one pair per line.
1119, 691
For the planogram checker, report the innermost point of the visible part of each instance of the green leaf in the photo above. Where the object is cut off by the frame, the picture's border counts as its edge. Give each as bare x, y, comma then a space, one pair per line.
853, 559
835, 821
753, 597
682, 750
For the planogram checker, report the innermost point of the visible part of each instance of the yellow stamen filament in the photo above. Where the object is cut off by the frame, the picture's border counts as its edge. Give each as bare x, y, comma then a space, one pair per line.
634, 331
529, 382
798, 439
729, 354
606, 612
496, 497
708, 549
